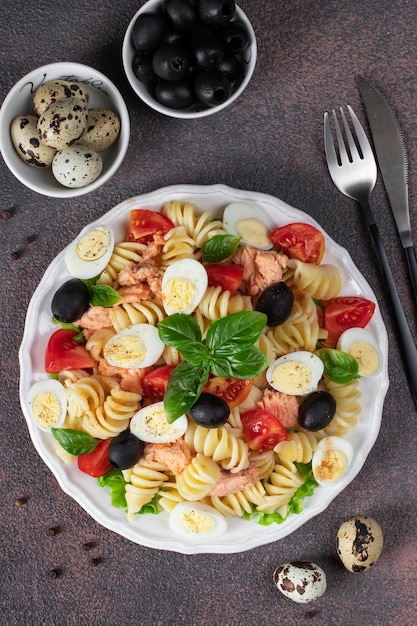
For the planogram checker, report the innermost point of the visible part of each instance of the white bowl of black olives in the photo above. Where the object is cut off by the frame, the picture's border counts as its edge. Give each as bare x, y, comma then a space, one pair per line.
189, 58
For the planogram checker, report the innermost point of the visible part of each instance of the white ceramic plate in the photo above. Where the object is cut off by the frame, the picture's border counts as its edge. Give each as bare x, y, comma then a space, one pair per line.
150, 530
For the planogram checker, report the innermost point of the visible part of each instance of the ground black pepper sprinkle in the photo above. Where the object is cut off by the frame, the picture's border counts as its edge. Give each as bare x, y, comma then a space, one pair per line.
20, 501
6, 214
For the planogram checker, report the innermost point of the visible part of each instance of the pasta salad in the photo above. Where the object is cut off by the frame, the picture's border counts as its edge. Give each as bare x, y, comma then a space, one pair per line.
200, 369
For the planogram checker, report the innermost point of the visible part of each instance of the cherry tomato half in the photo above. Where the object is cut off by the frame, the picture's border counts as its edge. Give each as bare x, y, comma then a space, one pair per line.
154, 383
262, 430
228, 276
233, 390
145, 224
64, 353
300, 241
96, 463
346, 312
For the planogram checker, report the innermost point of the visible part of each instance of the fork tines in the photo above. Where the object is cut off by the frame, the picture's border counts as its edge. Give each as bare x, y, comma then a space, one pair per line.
352, 148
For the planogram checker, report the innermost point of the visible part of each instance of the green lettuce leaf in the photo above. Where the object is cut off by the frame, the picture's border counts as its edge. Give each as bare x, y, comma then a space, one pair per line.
115, 484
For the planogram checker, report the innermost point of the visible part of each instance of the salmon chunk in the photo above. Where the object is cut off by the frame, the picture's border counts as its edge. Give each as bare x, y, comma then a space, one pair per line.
261, 268
283, 406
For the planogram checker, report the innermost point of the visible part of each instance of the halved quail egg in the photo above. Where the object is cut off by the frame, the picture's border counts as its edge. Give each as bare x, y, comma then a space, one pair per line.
296, 373
249, 222
183, 286
196, 521
137, 346
48, 403
88, 255
360, 344
331, 460
150, 425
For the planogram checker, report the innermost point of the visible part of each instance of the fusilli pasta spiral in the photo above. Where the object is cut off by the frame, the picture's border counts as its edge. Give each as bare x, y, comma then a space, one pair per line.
198, 478
219, 444
145, 479
320, 281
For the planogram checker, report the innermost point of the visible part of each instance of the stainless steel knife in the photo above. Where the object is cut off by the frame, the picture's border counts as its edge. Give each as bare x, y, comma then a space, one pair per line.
391, 154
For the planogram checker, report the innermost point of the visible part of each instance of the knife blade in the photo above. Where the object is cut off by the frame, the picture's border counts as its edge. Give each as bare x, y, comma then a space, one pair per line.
391, 155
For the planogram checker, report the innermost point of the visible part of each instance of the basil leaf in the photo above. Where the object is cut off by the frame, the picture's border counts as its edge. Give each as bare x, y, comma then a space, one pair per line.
235, 331
75, 442
103, 295
339, 366
184, 387
245, 364
194, 352
179, 328
219, 247
90, 281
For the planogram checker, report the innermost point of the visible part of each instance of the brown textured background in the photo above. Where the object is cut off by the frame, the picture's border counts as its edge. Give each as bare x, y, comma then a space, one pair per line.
309, 54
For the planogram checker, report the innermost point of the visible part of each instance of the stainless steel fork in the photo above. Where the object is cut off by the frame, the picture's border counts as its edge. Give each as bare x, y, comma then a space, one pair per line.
353, 170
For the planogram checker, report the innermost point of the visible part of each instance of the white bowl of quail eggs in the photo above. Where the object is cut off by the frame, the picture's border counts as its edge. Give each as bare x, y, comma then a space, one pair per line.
64, 129
189, 58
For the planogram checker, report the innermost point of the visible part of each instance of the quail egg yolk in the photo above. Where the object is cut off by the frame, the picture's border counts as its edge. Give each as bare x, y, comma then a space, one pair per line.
155, 421
332, 466
178, 294
366, 356
46, 409
195, 521
127, 351
94, 244
292, 376
253, 231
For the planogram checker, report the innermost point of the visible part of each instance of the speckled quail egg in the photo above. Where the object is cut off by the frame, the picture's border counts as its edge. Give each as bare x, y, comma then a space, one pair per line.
301, 581
359, 543
296, 374
150, 425
88, 255
331, 460
62, 123
136, 346
183, 286
48, 403
76, 166
360, 344
197, 522
101, 131
25, 138
55, 90
249, 222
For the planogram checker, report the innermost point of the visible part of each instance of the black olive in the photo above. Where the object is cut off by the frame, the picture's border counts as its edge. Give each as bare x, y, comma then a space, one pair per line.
235, 36
171, 62
125, 450
148, 31
216, 12
171, 36
182, 14
212, 88
70, 301
317, 411
209, 411
206, 50
142, 68
231, 67
276, 301
177, 94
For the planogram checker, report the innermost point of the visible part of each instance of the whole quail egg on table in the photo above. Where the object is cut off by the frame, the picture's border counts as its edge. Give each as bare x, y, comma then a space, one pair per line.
58, 564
